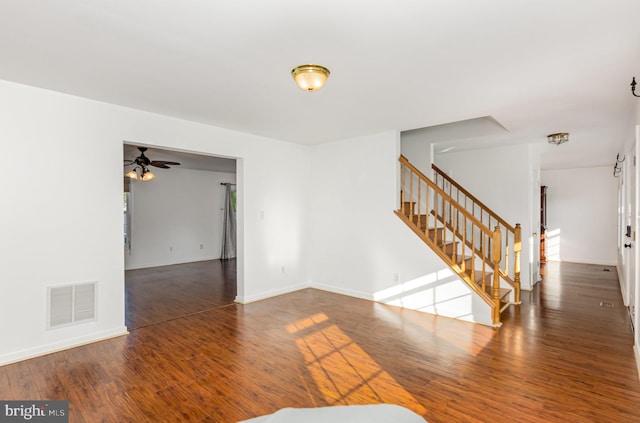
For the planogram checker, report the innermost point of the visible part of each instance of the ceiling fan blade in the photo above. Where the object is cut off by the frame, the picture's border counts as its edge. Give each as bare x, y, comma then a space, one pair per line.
129, 162
159, 163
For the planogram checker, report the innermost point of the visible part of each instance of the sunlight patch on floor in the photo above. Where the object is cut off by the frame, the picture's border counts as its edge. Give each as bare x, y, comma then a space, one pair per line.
343, 372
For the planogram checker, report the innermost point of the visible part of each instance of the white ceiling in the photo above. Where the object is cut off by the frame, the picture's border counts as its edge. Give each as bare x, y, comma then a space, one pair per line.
535, 67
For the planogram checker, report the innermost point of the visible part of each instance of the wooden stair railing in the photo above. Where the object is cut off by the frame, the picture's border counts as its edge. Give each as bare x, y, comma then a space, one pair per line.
468, 246
512, 238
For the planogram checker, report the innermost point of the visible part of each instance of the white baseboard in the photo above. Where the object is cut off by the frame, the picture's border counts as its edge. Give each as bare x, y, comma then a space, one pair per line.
622, 288
342, 291
298, 287
637, 354
170, 263
597, 262
60, 346
272, 293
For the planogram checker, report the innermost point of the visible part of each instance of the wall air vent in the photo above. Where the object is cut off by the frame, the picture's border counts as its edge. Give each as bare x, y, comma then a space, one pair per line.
71, 304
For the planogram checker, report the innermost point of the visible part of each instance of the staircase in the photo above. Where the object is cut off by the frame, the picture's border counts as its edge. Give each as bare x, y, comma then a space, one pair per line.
477, 244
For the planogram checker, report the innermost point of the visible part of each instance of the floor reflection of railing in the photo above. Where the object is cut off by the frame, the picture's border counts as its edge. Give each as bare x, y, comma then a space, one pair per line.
342, 371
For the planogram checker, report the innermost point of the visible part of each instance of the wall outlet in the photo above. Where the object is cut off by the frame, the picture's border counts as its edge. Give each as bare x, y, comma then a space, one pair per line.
396, 277
170, 249
201, 246
282, 269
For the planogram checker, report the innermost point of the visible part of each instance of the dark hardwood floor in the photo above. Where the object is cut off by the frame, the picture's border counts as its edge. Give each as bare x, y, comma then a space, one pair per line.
157, 294
559, 357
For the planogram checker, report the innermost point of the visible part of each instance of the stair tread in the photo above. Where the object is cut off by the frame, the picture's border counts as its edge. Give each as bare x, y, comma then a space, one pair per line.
503, 291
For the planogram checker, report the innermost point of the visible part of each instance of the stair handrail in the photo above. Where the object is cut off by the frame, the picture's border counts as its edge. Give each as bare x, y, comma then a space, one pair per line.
490, 256
440, 191
473, 198
514, 232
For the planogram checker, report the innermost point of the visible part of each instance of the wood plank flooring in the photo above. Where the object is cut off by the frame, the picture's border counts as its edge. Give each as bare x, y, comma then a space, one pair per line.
156, 294
559, 357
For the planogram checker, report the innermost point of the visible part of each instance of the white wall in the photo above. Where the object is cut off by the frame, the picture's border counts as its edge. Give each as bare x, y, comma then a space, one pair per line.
417, 148
361, 248
176, 218
501, 179
62, 220
582, 215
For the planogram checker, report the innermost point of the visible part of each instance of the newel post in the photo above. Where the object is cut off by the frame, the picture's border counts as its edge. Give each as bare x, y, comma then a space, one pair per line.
517, 249
496, 255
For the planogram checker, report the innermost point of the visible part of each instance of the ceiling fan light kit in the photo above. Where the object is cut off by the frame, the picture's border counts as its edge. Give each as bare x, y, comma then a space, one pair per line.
147, 175
132, 174
142, 163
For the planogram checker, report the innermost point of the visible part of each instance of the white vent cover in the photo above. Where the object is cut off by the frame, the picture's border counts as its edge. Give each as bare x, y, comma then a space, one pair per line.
71, 304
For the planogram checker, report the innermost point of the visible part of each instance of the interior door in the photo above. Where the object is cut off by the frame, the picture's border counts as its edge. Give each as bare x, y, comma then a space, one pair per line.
625, 241
543, 224
634, 294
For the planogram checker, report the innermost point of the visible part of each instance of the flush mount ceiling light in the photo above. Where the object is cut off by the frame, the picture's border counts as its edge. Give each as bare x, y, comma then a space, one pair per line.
559, 138
310, 77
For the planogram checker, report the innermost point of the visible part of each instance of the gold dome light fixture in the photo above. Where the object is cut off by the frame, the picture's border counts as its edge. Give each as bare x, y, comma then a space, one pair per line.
310, 77
558, 138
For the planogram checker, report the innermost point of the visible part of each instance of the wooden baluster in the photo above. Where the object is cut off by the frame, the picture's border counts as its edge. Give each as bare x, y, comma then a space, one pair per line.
403, 169
444, 227
473, 251
490, 240
517, 249
483, 254
449, 217
411, 196
508, 235
418, 222
435, 210
454, 256
464, 242
444, 220
426, 212
496, 254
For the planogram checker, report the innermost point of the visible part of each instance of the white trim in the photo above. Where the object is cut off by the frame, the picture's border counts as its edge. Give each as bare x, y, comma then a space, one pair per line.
173, 263
637, 355
622, 287
581, 261
347, 292
61, 346
272, 293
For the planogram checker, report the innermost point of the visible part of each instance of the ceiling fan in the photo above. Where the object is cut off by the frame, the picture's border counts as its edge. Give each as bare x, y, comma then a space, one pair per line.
142, 162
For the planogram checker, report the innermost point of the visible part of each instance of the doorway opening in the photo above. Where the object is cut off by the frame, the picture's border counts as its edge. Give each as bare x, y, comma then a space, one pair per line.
543, 224
173, 231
